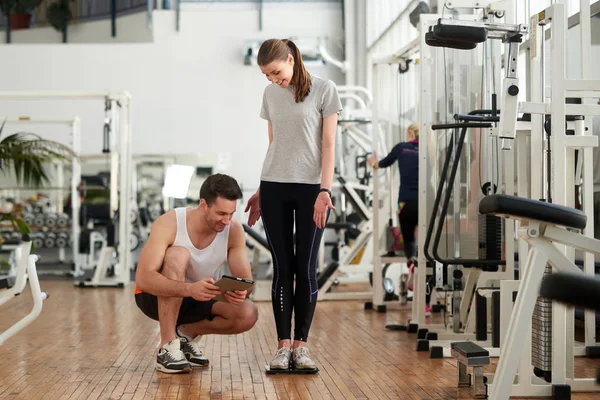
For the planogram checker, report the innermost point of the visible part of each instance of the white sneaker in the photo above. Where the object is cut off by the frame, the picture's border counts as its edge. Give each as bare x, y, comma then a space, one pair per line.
301, 359
170, 358
282, 359
191, 349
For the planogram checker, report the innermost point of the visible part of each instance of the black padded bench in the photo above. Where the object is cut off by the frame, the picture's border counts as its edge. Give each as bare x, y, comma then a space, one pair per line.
575, 290
469, 354
504, 205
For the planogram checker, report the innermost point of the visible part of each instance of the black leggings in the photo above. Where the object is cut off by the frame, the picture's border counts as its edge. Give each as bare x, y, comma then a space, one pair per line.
409, 219
281, 204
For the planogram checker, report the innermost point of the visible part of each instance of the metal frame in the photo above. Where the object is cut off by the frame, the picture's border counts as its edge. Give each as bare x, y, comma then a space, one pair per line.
516, 353
25, 270
541, 237
121, 165
360, 116
378, 142
75, 125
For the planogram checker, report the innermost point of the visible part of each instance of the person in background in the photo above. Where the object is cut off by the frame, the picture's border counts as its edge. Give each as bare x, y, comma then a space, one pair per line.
406, 154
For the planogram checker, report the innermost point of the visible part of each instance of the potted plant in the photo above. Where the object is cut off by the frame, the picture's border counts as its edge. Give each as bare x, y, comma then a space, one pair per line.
59, 15
19, 11
25, 155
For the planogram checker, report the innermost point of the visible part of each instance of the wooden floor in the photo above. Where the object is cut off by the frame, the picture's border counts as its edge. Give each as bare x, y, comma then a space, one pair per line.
96, 344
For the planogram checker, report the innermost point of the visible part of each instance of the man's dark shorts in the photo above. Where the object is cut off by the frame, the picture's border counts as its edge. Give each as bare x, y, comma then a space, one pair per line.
191, 310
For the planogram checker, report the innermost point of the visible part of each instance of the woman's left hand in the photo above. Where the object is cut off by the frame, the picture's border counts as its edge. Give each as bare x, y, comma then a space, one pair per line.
322, 204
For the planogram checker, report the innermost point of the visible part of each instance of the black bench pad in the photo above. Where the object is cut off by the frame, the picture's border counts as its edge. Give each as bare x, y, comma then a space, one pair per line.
523, 208
574, 289
256, 236
470, 349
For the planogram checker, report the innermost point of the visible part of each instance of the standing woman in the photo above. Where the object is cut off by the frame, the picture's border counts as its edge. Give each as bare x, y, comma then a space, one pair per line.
295, 190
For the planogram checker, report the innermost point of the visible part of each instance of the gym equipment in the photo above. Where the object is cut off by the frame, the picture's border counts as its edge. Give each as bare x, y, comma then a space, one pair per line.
46, 212
106, 274
10, 250
120, 157
469, 354
574, 290
26, 270
542, 225
332, 273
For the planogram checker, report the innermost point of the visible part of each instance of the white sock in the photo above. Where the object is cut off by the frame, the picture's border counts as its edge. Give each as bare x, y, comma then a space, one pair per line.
183, 336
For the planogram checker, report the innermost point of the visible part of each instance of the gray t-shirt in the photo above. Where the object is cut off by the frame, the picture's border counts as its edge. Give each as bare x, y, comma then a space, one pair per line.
295, 153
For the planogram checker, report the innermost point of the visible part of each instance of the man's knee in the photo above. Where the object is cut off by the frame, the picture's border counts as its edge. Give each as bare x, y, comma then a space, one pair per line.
177, 259
246, 316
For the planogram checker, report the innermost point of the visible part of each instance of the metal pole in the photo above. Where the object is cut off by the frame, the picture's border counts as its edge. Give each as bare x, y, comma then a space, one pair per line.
559, 187
113, 17
588, 192
545, 142
75, 200
177, 14
377, 278
149, 8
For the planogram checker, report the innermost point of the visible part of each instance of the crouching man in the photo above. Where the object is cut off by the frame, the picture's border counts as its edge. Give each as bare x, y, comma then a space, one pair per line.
177, 269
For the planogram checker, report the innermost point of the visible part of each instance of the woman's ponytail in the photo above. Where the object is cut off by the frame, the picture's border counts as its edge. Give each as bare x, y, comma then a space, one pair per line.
301, 79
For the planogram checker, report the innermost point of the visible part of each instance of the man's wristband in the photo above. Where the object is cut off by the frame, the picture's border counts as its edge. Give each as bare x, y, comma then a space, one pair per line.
325, 190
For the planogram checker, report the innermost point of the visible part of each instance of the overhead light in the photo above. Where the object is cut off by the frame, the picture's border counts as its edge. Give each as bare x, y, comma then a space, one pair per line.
177, 181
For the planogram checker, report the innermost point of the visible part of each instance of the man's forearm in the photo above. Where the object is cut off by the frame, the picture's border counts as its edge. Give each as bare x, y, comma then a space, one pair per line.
159, 285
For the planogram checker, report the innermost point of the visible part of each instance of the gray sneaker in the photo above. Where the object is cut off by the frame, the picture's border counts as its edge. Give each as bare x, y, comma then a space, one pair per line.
170, 359
282, 359
191, 349
302, 360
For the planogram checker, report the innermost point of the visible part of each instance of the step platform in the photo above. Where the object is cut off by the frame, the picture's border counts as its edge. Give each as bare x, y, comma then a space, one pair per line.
270, 371
471, 355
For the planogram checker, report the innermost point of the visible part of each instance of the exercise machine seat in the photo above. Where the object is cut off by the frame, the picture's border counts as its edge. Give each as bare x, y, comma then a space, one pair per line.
574, 289
523, 208
469, 349
256, 236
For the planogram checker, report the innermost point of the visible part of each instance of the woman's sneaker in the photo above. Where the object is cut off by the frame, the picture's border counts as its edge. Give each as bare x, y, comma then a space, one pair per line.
282, 359
301, 359
170, 359
427, 311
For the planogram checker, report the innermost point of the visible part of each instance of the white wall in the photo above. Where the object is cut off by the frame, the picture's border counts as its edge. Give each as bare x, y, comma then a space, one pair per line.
191, 91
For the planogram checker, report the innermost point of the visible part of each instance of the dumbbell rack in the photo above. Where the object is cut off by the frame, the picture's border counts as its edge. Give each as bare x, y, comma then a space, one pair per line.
50, 231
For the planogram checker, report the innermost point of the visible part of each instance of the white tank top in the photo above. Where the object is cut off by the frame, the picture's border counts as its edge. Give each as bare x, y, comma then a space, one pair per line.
205, 263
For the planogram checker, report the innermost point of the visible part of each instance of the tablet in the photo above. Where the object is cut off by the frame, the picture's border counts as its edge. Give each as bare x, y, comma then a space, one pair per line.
229, 284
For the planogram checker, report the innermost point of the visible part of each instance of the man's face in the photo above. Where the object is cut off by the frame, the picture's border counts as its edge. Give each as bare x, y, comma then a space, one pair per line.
219, 214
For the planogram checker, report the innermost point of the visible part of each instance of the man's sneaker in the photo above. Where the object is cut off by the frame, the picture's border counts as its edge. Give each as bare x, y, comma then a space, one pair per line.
301, 359
282, 359
170, 359
427, 311
191, 349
